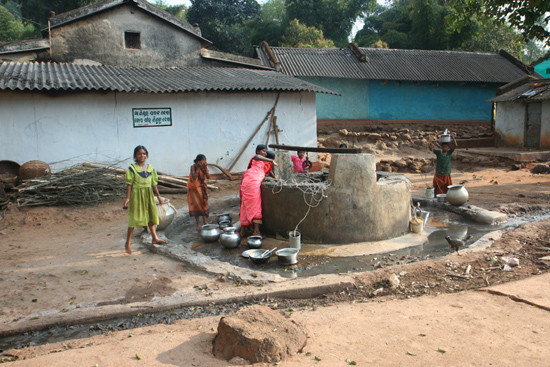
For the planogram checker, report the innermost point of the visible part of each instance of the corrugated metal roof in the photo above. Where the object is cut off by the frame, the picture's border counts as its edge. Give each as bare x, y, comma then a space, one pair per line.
54, 76
393, 64
532, 91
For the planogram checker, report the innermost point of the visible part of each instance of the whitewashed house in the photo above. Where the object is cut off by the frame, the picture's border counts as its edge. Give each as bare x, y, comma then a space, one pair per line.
117, 74
523, 114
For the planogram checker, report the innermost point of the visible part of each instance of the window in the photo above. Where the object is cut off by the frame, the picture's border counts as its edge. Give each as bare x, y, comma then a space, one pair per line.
131, 40
547, 71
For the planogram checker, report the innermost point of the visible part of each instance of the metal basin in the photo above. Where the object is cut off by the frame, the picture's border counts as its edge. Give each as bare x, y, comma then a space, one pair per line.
257, 256
287, 256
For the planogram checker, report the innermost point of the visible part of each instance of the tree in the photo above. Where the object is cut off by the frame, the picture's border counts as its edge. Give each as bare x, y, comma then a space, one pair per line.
12, 29
224, 22
301, 36
271, 25
422, 24
334, 17
179, 11
38, 10
529, 17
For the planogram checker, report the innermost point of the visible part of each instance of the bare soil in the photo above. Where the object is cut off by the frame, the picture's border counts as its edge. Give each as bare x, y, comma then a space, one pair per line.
56, 259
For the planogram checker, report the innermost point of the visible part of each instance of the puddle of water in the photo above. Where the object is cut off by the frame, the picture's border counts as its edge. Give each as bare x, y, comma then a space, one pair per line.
441, 222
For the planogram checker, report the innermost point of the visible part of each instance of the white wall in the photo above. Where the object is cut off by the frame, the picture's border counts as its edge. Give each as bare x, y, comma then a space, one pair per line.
509, 123
98, 127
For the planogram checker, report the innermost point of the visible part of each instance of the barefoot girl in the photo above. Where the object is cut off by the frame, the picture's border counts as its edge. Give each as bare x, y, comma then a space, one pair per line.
251, 198
141, 180
197, 192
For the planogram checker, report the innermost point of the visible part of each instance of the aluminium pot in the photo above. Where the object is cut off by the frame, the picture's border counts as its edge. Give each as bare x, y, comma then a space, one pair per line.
254, 241
210, 232
445, 138
287, 256
229, 238
224, 217
257, 256
457, 195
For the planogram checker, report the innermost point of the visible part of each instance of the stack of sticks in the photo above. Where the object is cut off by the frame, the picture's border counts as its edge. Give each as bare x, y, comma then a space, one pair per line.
87, 183
168, 184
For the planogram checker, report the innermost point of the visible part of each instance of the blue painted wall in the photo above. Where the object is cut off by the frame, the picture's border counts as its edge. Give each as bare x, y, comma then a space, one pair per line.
353, 103
543, 68
364, 99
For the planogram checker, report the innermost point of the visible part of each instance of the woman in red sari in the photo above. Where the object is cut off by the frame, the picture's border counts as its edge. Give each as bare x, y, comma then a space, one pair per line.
197, 192
251, 198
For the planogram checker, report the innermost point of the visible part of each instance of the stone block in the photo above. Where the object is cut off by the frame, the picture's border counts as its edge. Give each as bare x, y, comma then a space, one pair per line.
258, 334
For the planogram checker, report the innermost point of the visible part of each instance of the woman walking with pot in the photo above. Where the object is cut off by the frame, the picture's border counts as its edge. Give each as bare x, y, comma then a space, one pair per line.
442, 177
141, 183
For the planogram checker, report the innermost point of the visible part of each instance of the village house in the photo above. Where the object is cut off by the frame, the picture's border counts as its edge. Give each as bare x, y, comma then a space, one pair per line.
542, 65
120, 73
380, 86
523, 114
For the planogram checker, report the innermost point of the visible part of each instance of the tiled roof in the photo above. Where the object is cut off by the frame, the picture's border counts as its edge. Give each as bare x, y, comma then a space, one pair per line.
533, 90
393, 64
53, 76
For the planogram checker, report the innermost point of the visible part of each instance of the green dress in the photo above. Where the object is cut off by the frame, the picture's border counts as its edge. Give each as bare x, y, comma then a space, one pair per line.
142, 208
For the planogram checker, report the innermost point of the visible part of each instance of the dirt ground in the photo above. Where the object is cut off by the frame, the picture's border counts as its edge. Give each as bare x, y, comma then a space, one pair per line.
58, 259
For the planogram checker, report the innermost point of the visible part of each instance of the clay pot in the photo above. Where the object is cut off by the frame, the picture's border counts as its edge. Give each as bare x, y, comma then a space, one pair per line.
34, 169
210, 232
230, 238
457, 195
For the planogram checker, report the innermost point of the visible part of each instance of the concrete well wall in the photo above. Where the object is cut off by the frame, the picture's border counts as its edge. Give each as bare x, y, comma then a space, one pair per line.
357, 207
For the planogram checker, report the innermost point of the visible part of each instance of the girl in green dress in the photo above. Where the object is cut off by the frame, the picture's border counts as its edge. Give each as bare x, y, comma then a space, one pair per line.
141, 181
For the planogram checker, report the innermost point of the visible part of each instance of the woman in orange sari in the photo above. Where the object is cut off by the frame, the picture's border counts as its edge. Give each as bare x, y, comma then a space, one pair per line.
251, 198
197, 192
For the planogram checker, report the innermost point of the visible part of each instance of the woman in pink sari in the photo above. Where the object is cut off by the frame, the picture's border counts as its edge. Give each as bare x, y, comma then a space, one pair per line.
251, 198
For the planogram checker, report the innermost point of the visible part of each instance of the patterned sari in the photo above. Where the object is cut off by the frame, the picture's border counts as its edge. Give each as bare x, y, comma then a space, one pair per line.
197, 194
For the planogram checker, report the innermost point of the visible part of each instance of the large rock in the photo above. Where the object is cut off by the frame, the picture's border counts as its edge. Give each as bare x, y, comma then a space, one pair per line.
258, 334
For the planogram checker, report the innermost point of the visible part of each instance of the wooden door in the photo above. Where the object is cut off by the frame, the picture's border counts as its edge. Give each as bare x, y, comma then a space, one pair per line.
532, 125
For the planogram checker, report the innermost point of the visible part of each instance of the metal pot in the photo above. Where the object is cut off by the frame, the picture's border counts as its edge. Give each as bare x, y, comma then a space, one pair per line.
224, 223
257, 256
230, 238
210, 232
255, 241
287, 256
457, 195
445, 138
224, 216
441, 198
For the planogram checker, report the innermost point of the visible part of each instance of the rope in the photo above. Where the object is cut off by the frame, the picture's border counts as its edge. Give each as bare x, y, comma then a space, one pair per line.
309, 186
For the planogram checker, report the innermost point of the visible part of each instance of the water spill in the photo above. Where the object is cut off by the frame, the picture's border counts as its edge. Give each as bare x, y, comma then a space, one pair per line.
440, 224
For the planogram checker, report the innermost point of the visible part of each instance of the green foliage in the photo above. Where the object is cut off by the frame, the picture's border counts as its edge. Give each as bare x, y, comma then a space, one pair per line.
423, 24
334, 17
529, 17
12, 29
179, 11
301, 36
224, 22
38, 10
271, 25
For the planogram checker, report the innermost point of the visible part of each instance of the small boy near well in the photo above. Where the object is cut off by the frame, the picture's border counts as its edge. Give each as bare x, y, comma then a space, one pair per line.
442, 177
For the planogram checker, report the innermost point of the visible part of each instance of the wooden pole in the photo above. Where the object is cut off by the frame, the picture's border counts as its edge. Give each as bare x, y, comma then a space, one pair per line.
255, 132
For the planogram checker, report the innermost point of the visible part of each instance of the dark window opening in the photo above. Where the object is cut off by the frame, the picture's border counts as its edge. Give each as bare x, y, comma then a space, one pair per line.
547, 71
131, 40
